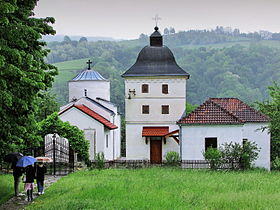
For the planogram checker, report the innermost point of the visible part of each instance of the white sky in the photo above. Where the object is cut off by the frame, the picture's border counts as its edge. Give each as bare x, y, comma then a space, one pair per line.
127, 19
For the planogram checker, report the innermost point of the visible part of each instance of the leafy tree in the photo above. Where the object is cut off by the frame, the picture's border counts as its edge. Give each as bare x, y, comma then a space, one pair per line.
171, 30
272, 109
166, 31
83, 39
75, 136
23, 71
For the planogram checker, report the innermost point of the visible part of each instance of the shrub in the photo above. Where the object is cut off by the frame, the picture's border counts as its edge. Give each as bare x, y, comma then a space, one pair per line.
99, 160
276, 164
172, 158
250, 152
214, 157
244, 154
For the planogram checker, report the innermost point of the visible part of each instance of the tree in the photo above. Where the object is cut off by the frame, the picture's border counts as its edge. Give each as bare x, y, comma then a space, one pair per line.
74, 135
83, 39
272, 110
23, 71
171, 30
166, 31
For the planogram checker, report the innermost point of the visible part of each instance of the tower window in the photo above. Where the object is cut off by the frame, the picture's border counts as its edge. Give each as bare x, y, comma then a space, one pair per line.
145, 109
210, 142
165, 109
165, 89
145, 88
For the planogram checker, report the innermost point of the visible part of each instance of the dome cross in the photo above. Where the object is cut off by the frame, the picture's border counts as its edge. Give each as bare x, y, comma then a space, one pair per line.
89, 62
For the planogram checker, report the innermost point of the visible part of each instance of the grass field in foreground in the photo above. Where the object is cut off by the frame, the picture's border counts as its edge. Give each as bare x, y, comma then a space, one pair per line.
7, 187
163, 188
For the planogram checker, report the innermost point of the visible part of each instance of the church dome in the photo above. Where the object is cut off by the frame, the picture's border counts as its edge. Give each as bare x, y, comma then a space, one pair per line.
155, 60
89, 74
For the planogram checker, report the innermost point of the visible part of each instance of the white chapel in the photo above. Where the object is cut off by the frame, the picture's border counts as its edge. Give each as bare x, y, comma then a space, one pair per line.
155, 98
90, 109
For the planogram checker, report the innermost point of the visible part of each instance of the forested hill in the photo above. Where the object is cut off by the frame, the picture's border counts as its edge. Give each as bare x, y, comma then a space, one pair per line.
220, 64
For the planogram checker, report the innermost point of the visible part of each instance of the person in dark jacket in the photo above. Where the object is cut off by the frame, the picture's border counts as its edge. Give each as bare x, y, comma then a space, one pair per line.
29, 182
17, 173
40, 177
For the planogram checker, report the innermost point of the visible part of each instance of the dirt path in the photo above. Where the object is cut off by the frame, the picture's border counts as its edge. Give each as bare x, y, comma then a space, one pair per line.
18, 203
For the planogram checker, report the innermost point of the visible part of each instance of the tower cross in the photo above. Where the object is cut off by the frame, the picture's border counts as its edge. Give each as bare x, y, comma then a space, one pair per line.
89, 62
156, 19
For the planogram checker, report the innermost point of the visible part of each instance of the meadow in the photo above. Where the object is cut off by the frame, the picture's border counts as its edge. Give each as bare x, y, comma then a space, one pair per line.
163, 188
7, 187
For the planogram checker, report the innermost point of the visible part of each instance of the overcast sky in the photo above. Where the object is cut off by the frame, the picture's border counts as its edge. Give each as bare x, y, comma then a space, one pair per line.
127, 19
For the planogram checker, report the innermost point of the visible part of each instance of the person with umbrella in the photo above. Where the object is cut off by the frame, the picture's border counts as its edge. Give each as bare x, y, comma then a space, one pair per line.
27, 162
17, 171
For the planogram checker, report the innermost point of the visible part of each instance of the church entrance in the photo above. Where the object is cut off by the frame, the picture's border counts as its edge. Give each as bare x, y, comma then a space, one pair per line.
156, 149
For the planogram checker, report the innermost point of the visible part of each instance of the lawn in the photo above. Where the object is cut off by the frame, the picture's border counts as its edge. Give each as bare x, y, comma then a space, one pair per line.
163, 188
7, 187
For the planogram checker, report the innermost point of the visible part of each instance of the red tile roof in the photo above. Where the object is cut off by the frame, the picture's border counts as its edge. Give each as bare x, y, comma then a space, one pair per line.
92, 114
155, 131
223, 111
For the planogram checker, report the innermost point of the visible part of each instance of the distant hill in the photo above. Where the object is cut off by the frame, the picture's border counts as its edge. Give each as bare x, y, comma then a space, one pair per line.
59, 38
220, 65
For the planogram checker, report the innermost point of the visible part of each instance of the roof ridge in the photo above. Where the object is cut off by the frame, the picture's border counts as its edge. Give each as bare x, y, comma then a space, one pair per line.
227, 111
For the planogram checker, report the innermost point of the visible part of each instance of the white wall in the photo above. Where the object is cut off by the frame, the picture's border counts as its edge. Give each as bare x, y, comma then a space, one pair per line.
253, 132
94, 88
193, 139
136, 148
84, 122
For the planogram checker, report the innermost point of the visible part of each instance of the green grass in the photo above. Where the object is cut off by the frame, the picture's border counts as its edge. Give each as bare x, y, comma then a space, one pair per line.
163, 188
7, 187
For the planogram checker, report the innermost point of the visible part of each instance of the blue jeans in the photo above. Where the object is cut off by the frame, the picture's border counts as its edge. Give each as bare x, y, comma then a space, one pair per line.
40, 185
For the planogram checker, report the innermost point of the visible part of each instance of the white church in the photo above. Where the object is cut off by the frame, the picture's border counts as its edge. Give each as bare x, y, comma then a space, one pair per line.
155, 98
155, 103
156, 123
90, 109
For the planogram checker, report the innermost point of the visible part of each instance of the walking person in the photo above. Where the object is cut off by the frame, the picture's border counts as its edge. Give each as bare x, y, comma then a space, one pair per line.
17, 173
40, 177
29, 182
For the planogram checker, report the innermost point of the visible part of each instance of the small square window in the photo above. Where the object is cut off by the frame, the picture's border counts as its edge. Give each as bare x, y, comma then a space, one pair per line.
165, 109
145, 109
210, 142
145, 88
165, 89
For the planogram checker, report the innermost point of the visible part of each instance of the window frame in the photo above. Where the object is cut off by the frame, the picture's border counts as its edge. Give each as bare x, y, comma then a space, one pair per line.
145, 88
145, 108
209, 144
164, 89
165, 108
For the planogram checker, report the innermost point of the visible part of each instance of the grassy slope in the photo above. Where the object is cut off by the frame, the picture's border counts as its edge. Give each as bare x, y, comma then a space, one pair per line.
163, 188
7, 187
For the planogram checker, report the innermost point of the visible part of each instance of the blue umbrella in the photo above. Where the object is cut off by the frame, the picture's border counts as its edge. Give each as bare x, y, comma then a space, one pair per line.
26, 161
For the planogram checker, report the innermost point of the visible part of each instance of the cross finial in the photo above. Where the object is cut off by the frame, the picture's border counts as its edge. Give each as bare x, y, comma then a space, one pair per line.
156, 19
89, 62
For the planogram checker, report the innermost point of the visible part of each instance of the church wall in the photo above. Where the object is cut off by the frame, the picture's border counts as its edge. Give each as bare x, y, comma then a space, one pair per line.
83, 121
94, 89
136, 147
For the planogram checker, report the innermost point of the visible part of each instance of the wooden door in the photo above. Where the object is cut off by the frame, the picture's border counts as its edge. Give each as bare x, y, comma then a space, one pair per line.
156, 151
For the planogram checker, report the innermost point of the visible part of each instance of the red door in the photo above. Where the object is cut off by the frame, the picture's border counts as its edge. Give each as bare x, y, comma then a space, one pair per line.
156, 151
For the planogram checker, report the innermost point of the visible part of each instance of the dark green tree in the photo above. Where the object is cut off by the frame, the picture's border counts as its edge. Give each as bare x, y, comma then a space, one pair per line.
23, 72
272, 109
